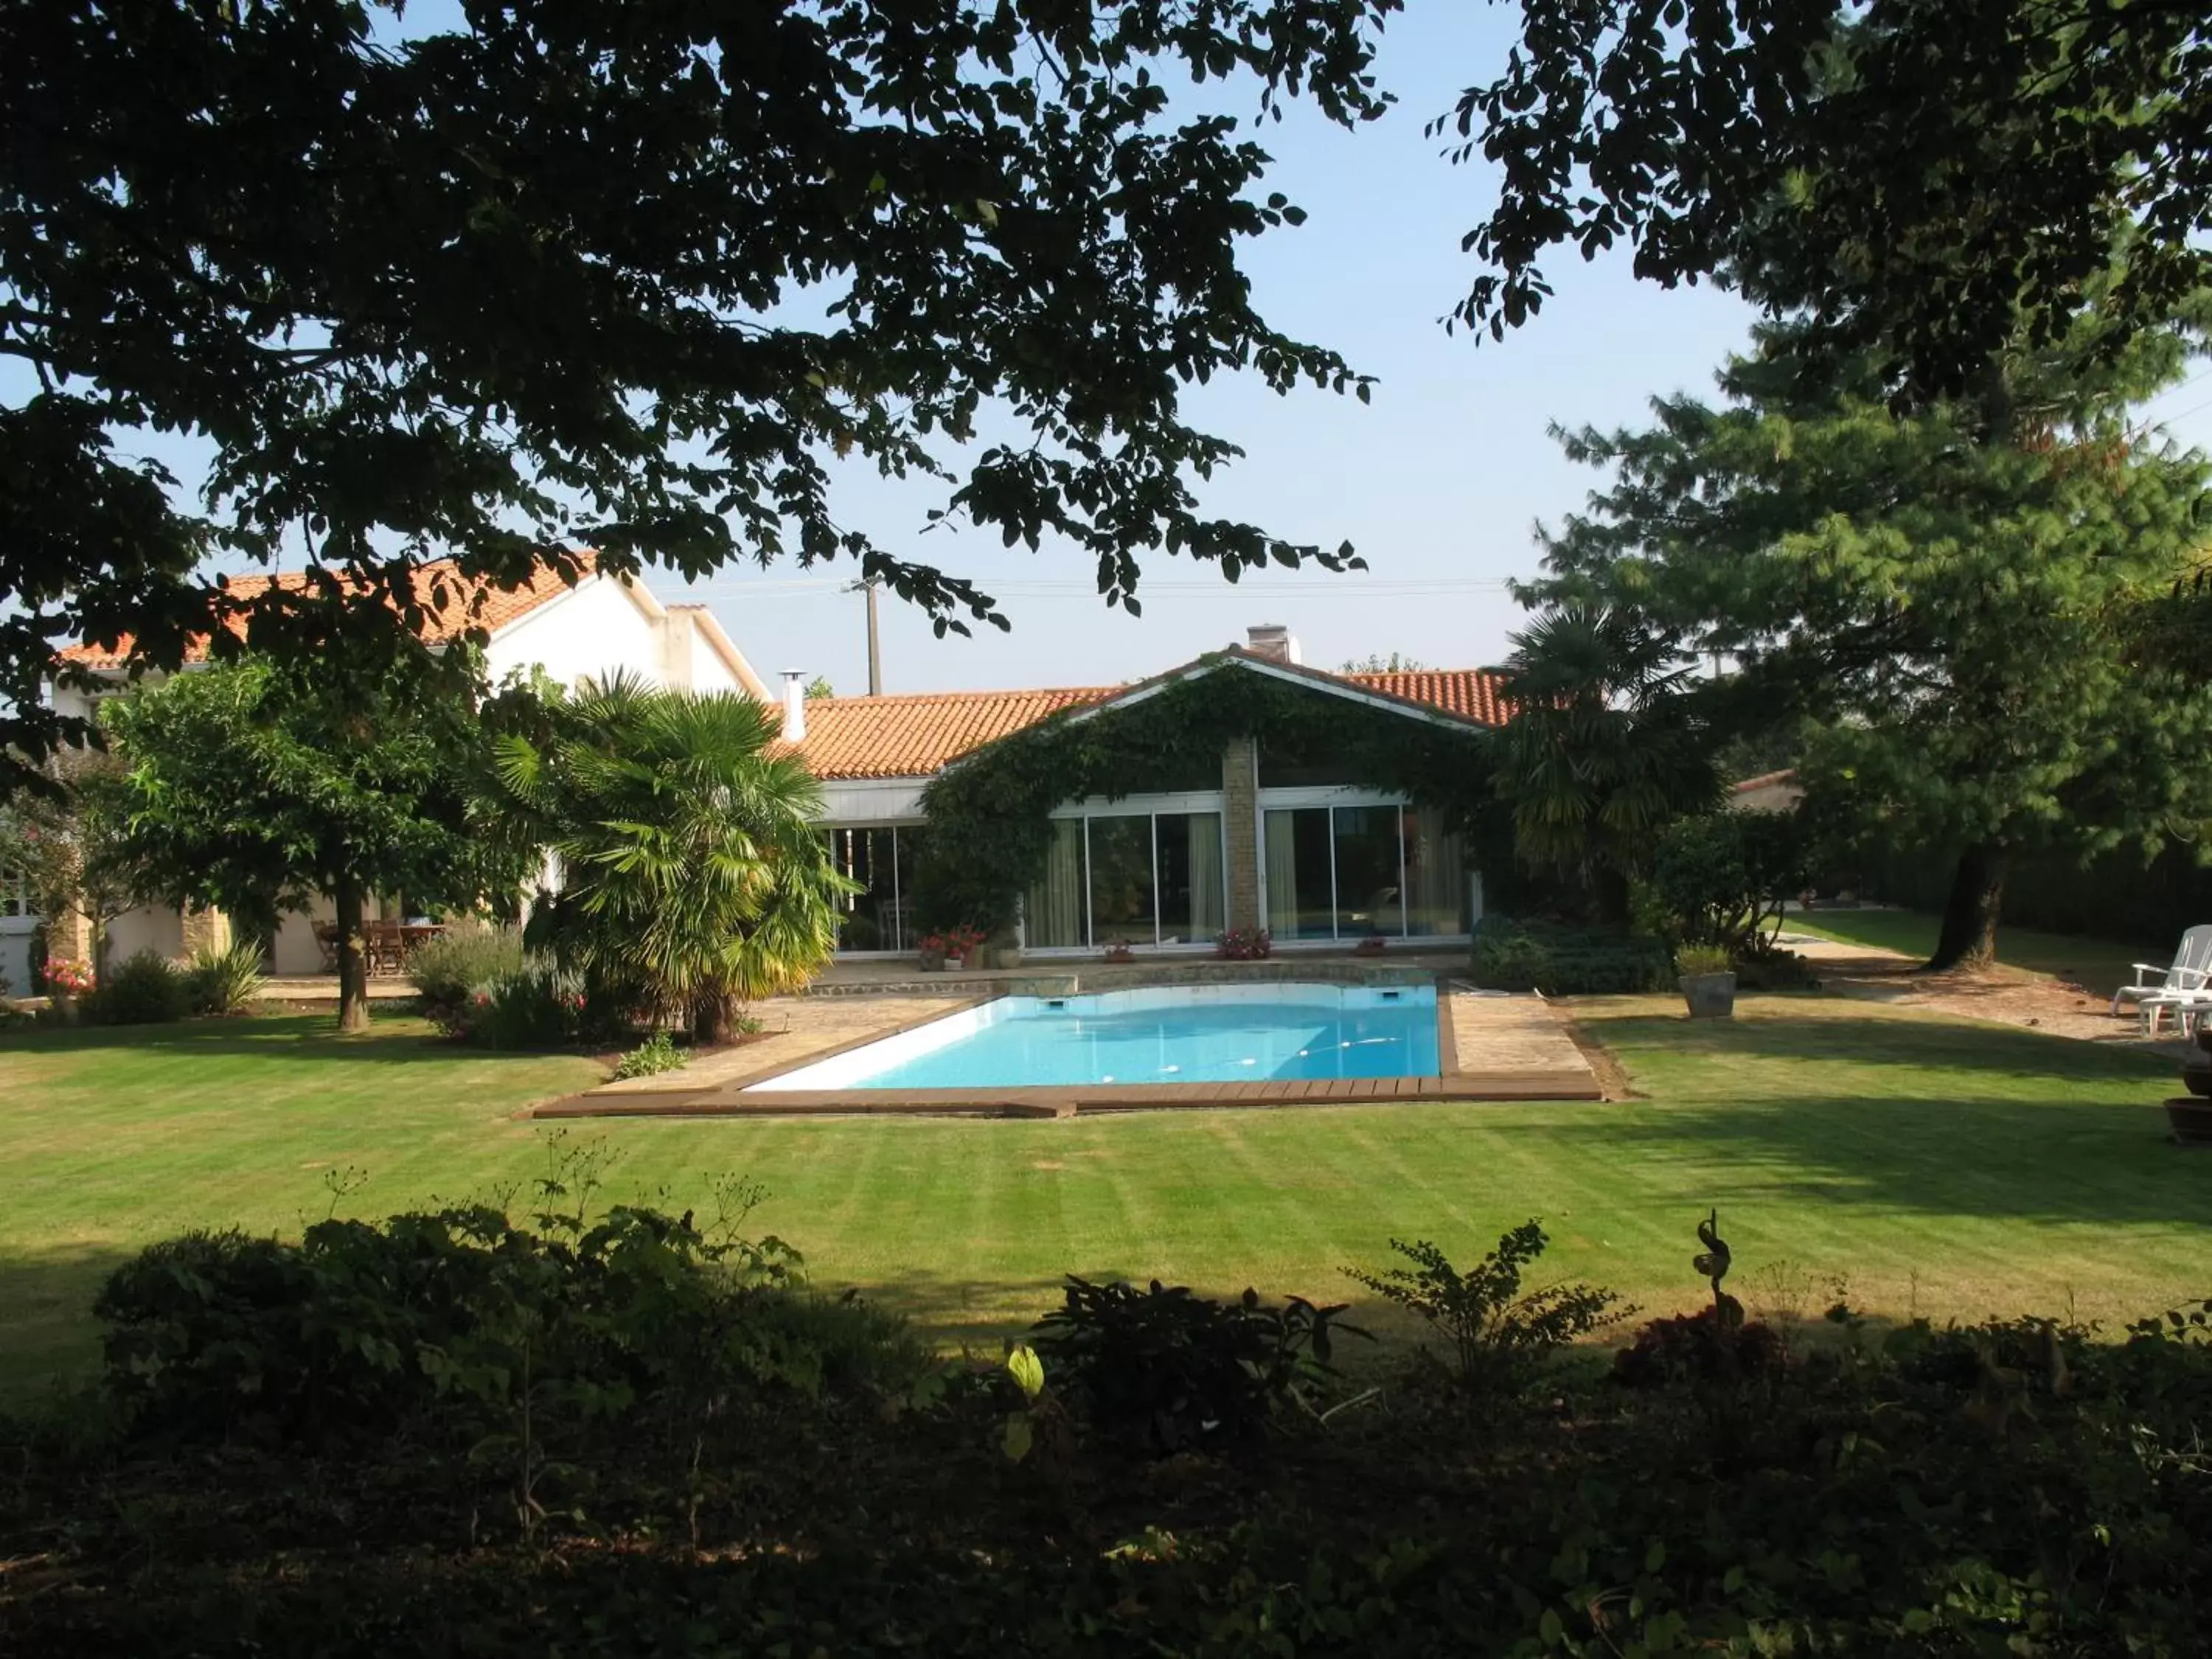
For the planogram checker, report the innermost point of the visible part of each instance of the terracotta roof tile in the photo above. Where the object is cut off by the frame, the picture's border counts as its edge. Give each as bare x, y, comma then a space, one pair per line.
908, 737
459, 611
913, 736
1474, 694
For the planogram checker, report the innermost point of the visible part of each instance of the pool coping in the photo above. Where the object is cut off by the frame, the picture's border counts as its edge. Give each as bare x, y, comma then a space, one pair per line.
727, 1097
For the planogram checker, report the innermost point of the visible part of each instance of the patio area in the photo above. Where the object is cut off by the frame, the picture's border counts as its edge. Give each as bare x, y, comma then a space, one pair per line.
1492, 1047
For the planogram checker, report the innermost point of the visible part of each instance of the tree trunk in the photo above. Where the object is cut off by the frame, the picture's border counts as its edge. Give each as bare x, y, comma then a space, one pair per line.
1970, 914
1609, 894
710, 1020
353, 970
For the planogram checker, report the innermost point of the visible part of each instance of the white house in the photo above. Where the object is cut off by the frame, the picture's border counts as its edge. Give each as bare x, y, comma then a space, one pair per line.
602, 624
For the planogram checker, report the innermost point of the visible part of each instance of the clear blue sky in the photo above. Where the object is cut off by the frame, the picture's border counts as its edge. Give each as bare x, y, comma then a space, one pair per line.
1438, 484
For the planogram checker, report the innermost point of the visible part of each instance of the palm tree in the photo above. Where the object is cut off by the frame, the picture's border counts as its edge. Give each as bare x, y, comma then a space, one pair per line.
690, 871
1608, 746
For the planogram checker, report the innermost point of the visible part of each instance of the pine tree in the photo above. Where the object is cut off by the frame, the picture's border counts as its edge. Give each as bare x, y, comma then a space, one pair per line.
1964, 615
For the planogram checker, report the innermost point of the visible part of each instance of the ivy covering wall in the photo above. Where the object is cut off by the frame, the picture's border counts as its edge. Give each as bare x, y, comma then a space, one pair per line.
990, 815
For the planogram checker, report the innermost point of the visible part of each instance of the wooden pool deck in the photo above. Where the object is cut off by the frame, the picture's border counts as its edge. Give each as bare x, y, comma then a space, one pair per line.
1491, 1046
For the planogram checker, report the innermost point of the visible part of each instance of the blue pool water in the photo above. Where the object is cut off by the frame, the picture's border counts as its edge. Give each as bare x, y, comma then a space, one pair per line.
1181, 1034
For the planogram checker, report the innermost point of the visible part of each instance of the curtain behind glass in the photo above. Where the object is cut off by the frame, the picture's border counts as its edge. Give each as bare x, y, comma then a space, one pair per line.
1298, 873
1053, 913
1189, 876
1208, 894
1436, 875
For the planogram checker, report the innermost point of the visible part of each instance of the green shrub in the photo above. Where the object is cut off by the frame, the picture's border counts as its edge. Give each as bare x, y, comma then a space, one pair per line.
226, 982
459, 1317
1164, 1371
144, 989
1776, 970
656, 1055
1723, 878
450, 970
1497, 1333
1692, 959
1510, 955
539, 1007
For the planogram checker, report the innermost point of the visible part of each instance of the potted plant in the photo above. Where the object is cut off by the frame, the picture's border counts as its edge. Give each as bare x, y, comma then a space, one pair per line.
1373, 946
1707, 981
68, 978
1243, 944
950, 949
1118, 951
2190, 1116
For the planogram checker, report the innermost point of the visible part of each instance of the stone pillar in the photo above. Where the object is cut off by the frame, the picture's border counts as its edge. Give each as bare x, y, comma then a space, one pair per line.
69, 936
205, 930
1240, 805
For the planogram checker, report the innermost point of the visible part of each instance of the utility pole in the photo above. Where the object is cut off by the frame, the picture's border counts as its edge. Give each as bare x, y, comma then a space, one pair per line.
875, 648
875, 639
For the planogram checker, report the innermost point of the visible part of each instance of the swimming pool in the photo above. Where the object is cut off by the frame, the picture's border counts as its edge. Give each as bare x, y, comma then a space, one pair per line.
1167, 1034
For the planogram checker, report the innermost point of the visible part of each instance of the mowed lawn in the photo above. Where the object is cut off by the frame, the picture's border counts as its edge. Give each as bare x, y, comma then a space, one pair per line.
1927, 1164
2099, 964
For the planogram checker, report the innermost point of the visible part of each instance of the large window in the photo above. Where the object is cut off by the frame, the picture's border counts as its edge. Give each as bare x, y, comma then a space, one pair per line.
1134, 877
14, 893
882, 859
1360, 872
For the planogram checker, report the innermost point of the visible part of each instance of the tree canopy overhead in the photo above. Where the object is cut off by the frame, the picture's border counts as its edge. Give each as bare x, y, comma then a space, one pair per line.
632, 275
1914, 175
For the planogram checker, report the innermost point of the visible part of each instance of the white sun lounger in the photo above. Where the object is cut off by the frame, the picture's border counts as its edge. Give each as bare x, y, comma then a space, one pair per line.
2186, 986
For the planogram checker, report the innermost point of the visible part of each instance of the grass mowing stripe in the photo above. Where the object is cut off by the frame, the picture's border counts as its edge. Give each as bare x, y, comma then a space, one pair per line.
2003, 1168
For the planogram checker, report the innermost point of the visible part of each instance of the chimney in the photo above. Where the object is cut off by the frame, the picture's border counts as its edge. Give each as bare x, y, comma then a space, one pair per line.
794, 705
1273, 641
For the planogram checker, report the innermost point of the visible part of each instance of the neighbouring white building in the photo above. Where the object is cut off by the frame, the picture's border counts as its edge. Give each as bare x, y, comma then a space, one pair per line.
601, 625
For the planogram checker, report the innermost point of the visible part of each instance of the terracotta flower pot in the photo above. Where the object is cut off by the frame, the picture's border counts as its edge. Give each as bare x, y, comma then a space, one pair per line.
2190, 1119
1710, 996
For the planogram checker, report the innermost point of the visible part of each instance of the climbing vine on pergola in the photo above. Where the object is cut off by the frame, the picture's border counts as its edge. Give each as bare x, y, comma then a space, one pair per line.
990, 814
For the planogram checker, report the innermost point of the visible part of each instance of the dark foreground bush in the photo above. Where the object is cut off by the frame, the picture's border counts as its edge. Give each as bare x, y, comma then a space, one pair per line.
1698, 1348
1510, 955
626, 1439
452, 1321
1162, 1370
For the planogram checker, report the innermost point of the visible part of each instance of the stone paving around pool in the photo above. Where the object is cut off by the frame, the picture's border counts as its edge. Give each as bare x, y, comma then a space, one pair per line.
1493, 1047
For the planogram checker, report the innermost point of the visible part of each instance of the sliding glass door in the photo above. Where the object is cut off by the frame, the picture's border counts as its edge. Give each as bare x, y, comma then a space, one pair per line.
1364, 870
881, 858
1136, 878
1301, 879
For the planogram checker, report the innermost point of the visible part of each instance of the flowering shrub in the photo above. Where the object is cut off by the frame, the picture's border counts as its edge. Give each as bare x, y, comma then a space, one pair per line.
1243, 944
534, 1008
1117, 950
69, 977
962, 942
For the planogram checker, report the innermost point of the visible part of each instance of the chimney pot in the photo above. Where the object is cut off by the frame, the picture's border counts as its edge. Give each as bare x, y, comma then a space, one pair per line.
794, 705
1274, 642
